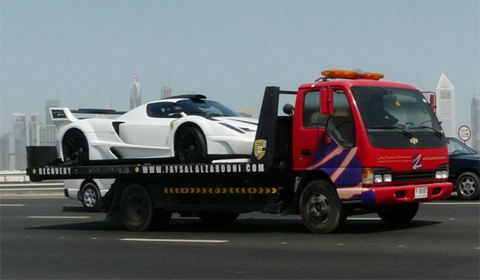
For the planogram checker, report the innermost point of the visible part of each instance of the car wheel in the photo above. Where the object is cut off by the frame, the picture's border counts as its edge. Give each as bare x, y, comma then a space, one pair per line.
467, 186
320, 208
190, 146
90, 196
75, 147
399, 215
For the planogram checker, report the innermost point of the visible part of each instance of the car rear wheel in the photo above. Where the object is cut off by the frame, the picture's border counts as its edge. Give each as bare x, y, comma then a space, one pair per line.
190, 146
75, 147
90, 196
467, 186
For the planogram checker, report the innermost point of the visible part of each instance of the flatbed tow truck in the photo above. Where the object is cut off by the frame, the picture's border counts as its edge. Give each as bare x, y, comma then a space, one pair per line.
351, 145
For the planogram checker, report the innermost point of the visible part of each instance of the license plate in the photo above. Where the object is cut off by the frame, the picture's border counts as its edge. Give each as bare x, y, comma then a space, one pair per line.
421, 192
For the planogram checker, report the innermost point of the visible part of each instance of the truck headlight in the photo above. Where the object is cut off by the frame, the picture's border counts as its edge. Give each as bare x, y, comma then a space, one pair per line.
376, 175
442, 172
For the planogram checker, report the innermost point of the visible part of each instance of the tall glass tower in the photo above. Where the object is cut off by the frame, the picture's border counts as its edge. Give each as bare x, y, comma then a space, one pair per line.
476, 122
446, 105
135, 93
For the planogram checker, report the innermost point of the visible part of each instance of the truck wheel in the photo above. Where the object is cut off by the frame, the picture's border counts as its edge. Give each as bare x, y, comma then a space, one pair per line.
399, 215
75, 147
217, 218
467, 186
190, 146
136, 208
320, 207
90, 196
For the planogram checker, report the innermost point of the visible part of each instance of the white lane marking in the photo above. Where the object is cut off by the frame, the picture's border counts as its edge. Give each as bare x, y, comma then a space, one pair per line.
58, 217
451, 203
12, 205
364, 219
174, 240
32, 189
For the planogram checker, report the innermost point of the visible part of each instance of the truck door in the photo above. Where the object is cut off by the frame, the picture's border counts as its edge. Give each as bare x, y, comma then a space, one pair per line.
320, 140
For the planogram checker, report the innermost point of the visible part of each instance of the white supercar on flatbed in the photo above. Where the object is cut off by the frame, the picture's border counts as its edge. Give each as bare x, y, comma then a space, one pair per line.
186, 129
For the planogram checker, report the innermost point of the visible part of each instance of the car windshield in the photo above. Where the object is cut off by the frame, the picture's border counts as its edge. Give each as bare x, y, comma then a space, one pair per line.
386, 108
205, 108
456, 147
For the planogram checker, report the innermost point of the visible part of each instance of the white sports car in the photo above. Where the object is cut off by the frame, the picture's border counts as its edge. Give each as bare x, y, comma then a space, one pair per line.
186, 128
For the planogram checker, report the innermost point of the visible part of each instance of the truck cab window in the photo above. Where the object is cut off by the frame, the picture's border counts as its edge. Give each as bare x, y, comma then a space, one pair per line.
341, 124
311, 111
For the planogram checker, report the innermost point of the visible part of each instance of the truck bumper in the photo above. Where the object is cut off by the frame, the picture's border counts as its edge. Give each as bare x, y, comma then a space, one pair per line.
394, 195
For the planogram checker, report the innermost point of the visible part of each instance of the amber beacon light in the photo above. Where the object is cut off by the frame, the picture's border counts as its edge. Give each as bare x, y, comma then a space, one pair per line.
351, 74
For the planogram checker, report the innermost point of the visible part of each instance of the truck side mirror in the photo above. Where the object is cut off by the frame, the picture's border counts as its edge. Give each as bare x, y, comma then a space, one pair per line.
433, 103
326, 101
288, 109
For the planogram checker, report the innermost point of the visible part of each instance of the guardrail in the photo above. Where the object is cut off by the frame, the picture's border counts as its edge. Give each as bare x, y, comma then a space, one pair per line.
14, 177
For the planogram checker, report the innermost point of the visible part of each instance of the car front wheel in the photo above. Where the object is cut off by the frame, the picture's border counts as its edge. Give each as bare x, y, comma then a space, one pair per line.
190, 146
90, 196
467, 186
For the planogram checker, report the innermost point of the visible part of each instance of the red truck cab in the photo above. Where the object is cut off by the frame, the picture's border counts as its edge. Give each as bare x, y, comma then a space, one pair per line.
379, 142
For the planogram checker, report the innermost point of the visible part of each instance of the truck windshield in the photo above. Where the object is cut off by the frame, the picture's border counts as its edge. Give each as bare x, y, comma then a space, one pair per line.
387, 112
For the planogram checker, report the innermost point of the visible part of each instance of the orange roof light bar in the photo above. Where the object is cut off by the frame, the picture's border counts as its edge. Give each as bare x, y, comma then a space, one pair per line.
351, 74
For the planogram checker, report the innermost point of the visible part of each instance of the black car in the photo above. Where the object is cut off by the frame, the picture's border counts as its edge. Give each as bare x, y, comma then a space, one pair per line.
464, 165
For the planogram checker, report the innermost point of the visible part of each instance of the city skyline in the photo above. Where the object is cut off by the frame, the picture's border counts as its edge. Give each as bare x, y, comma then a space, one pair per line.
228, 51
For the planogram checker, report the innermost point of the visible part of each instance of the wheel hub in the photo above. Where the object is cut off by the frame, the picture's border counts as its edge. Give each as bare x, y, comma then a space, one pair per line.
319, 209
468, 186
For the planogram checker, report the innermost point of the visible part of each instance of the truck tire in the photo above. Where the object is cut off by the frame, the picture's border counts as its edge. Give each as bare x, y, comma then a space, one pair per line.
90, 196
217, 218
399, 215
136, 208
320, 208
467, 186
190, 146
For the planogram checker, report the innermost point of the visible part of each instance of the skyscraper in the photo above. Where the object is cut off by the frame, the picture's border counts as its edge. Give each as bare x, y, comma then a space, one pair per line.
446, 105
5, 151
166, 91
33, 128
19, 141
476, 122
135, 93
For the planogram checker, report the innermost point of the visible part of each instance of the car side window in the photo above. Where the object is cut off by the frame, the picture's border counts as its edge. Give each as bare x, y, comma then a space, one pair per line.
159, 110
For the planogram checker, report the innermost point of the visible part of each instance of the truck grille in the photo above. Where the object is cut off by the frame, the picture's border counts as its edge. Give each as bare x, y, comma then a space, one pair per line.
413, 176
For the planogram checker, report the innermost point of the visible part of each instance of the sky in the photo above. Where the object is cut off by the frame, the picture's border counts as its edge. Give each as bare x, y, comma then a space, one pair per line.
85, 53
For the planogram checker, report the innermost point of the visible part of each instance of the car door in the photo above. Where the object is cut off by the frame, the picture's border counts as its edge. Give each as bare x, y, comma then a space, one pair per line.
151, 128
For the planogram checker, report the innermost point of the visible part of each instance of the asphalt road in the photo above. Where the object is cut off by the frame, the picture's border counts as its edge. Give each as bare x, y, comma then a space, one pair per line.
41, 240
